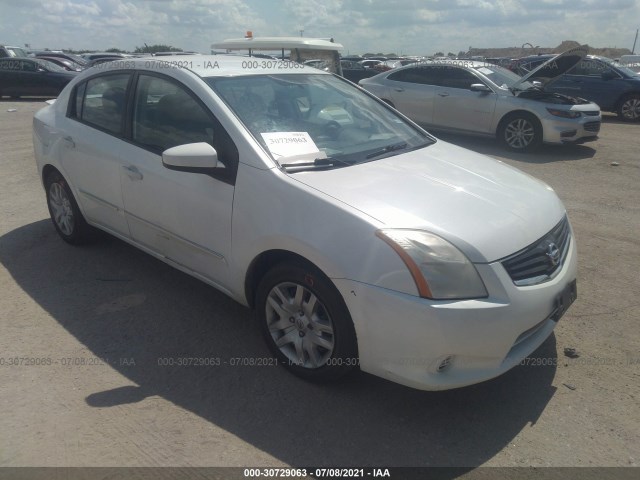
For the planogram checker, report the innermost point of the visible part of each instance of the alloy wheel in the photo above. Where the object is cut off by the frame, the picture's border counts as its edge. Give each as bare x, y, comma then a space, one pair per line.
519, 134
631, 109
61, 208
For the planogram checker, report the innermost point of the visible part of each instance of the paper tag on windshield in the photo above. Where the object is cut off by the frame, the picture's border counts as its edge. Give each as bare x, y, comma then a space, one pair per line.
289, 144
485, 70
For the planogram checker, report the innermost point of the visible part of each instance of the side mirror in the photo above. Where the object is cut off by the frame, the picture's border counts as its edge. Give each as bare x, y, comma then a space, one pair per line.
609, 75
191, 157
480, 87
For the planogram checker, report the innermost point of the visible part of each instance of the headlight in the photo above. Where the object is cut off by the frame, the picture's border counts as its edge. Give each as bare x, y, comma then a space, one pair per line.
564, 113
440, 270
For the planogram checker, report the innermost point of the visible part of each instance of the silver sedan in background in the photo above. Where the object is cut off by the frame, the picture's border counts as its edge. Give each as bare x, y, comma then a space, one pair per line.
480, 98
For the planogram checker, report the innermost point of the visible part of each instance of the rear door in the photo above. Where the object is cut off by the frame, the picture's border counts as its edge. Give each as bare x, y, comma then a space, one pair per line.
11, 82
412, 92
94, 147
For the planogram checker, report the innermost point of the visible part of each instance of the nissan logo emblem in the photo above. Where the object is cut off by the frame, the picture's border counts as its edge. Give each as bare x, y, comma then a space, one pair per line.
553, 254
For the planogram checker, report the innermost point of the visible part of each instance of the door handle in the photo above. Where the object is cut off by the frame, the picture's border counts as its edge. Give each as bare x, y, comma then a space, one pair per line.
132, 172
443, 94
399, 89
70, 141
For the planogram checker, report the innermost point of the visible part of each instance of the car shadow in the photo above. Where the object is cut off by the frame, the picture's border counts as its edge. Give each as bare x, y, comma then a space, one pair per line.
135, 311
614, 119
544, 154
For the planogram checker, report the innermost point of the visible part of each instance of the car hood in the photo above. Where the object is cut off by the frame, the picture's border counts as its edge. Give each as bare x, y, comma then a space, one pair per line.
486, 208
555, 66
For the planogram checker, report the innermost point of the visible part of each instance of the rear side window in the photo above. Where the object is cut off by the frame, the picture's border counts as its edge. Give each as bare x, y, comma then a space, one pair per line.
10, 65
104, 101
420, 75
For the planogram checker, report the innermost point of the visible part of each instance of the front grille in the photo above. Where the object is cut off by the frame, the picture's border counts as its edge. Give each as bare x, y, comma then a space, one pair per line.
592, 126
592, 113
539, 261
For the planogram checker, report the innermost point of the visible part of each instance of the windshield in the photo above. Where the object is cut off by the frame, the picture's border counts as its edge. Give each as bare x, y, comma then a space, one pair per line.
76, 58
52, 67
315, 116
502, 77
630, 70
16, 52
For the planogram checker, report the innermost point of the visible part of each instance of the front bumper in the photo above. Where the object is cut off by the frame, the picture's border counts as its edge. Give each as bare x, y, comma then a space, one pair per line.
407, 339
576, 131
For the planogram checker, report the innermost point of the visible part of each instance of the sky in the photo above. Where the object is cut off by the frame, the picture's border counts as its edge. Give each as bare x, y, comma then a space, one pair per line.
407, 27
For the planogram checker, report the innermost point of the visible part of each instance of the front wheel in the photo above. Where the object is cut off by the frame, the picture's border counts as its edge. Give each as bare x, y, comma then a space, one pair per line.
64, 211
305, 323
520, 132
629, 108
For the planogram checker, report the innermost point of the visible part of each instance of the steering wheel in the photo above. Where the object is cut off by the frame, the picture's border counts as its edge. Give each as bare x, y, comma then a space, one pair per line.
332, 129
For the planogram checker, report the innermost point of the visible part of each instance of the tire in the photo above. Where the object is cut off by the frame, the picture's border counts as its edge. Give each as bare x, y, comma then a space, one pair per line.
520, 132
65, 214
629, 108
305, 323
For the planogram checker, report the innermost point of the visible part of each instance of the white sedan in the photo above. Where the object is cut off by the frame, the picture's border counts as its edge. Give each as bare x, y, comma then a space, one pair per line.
360, 240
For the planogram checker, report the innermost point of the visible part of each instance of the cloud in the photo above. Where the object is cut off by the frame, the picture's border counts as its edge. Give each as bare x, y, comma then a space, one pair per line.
410, 26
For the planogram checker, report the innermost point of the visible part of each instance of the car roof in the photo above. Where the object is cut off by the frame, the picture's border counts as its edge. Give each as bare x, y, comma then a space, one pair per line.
216, 65
277, 43
449, 63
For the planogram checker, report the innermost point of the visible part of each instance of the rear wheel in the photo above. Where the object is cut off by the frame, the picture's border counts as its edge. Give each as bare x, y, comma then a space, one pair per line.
629, 108
520, 132
64, 211
305, 322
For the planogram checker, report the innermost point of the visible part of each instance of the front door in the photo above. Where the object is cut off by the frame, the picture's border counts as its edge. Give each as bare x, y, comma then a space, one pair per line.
184, 217
459, 108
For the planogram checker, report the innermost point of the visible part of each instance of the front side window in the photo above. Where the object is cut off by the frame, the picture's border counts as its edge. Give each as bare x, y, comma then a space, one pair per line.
321, 115
104, 102
590, 67
454, 77
165, 115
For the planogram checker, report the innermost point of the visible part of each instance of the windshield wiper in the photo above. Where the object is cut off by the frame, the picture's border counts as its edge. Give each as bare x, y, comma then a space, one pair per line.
319, 163
387, 149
